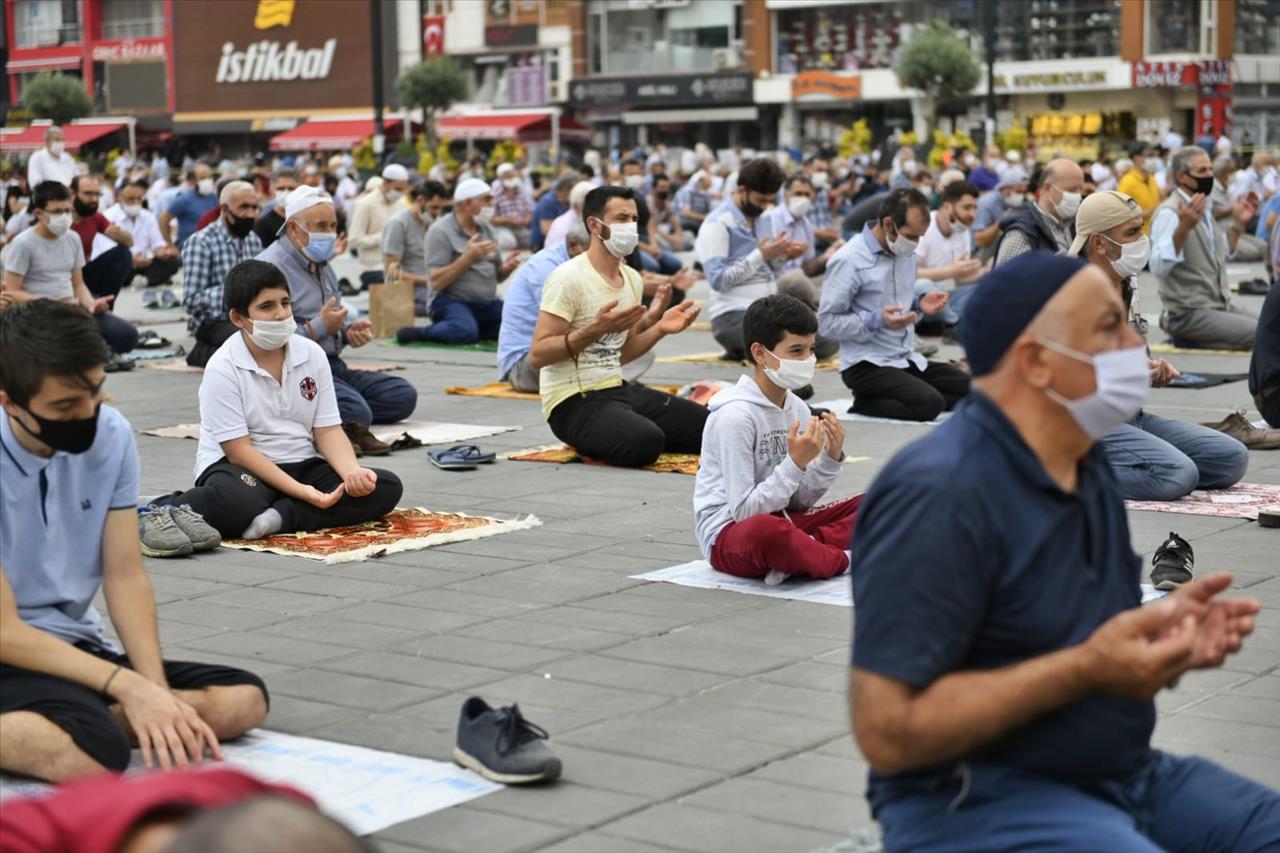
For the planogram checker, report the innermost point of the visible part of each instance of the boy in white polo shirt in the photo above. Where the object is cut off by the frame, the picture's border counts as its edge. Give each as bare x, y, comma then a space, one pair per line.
273, 457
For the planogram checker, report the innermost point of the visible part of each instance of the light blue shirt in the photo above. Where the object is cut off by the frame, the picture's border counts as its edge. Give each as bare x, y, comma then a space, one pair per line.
1164, 255
520, 308
781, 221
54, 511
862, 279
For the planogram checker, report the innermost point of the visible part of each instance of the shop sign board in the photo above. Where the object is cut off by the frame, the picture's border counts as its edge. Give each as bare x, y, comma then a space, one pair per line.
826, 85
640, 92
134, 50
1211, 72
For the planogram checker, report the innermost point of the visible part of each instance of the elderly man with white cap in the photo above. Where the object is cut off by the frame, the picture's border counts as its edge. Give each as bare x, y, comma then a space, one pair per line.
1011, 188
52, 162
309, 239
512, 208
465, 266
370, 216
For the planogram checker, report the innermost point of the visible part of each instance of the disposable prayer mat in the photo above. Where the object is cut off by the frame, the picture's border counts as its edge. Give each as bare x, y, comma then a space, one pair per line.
714, 358
840, 408
145, 355
377, 367
478, 346
400, 530
366, 789
837, 590
156, 321
1205, 380
501, 390
668, 463
176, 431
429, 432
1242, 500
175, 365
1166, 348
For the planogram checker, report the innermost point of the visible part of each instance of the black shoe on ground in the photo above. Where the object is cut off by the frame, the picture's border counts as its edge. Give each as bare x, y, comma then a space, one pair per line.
1173, 564
1255, 287
951, 334
346, 288
119, 364
501, 745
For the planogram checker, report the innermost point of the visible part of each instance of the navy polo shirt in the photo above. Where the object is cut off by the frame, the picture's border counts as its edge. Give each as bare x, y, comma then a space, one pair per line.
547, 209
967, 556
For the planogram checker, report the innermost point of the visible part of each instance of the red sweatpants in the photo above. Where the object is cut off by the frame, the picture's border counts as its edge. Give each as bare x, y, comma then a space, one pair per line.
811, 543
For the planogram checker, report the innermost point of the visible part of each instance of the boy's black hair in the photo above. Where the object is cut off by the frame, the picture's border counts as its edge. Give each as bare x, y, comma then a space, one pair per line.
761, 175
46, 337
797, 178
630, 161
598, 199
770, 318
47, 191
246, 280
957, 190
434, 189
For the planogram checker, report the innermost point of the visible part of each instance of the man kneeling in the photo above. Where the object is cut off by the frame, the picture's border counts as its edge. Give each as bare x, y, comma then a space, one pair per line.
70, 701
764, 456
273, 457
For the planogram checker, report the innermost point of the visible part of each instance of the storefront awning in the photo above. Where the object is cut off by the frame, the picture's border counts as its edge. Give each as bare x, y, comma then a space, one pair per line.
328, 135
31, 138
691, 116
527, 127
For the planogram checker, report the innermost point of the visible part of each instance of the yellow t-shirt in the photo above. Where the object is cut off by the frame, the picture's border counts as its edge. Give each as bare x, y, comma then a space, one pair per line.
1143, 189
576, 292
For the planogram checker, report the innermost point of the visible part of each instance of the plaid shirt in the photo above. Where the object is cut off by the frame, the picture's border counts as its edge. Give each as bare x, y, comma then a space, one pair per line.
515, 205
819, 215
207, 256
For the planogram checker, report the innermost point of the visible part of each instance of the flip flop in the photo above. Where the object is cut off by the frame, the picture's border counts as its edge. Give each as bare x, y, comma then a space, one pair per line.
460, 457
474, 454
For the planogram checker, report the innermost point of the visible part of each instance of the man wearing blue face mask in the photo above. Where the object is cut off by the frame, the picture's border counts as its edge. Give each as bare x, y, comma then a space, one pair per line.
1003, 666
308, 240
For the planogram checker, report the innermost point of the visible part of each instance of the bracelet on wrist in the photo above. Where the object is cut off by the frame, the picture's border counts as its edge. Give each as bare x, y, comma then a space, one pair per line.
110, 678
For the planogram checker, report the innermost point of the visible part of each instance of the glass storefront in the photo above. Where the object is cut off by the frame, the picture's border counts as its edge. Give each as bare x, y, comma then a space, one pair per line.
681, 35
1258, 27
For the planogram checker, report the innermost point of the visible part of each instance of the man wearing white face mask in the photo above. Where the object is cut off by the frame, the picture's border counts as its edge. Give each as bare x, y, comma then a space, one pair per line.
944, 256
283, 182
512, 209
1048, 222
52, 162
1003, 666
190, 204
791, 219
153, 257
993, 206
464, 265
372, 211
1154, 458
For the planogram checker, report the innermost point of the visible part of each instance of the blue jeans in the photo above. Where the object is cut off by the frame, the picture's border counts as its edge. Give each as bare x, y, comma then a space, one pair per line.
666, 263
1158, 459
457, 321
1174, 803
365, 397
953, 311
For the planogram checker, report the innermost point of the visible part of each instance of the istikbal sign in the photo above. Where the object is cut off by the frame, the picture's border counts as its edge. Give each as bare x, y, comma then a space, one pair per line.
267, 60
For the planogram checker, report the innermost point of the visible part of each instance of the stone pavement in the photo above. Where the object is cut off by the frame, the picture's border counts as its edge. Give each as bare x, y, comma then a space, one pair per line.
688, 720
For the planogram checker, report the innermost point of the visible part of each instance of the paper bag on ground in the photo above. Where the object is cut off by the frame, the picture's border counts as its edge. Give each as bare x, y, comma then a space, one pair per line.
390, 304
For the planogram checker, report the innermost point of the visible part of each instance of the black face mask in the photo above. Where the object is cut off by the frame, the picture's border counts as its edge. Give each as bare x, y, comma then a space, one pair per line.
663, 194
68, 436
1204, 185
84, 208
751, 211
240, 226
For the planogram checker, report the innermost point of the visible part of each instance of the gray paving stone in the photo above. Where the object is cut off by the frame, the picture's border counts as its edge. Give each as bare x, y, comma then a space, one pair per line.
391, 732
255, 646
278, 601
812, 675
327, 628
632, 675
732, 722
340, 587
541, 634
816, 770
562, 803
781, 803
350, 691
453, 601
464, 830
469, 650
296, 716
420, 619
225, 618
1243, 709
412, 669
596, 842
689, 828
710, 657
678, 745
653, 780
780, 699
1267, 687
545, 583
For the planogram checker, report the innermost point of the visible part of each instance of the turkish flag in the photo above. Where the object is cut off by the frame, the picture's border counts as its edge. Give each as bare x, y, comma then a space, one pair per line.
432, 36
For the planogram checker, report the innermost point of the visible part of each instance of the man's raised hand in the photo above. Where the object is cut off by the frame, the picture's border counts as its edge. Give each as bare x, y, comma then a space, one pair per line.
895, 318
805, 447
333, 315
678, 317
610, 318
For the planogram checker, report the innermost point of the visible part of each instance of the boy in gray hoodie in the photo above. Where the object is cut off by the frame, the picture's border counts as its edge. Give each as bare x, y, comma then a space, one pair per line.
766, 460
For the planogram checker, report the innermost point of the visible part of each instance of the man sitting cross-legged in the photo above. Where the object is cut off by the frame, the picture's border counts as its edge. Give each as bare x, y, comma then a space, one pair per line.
71, 701
592, 323
273, 457
764, 456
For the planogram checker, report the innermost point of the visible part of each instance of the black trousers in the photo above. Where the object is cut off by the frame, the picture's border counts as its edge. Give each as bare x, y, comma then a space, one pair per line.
159, 270
905, 393
629, 425
106, 274
230, 498
210, 335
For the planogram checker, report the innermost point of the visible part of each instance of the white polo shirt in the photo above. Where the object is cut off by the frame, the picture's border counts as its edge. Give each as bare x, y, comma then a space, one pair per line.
239, 398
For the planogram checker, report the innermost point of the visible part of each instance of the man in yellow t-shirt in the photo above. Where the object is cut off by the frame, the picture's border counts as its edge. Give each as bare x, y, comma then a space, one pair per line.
1140, 184
590, 323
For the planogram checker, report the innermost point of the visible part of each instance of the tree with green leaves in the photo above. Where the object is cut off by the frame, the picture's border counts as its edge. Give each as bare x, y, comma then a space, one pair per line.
433, 87
939, 63
58, 97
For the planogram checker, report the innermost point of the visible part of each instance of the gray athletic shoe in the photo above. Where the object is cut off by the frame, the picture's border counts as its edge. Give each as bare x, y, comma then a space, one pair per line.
160, 536
500, 744
202, 534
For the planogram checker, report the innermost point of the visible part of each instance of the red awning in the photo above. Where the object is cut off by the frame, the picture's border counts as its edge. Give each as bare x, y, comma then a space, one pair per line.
31, 137
328, 134
527, 127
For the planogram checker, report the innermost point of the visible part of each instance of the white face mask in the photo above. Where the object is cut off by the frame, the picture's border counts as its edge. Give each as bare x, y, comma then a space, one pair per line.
205, 186
1122, 381
903, 247
958, 227
131, 210
910, 167
272, 334
392, 196
819, 180
484, 215
281, 196
1067, 205
511, 183
1013, 199
623, 238
425, 217
633, 182
59, 223
792, 374
1133, 256
799, 206
56, 148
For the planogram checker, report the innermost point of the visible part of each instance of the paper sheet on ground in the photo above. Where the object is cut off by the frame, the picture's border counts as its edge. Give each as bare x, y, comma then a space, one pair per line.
837, 590
1165, 348
714, 359
501, 390
667, 463
841, 409
1242, 500
174, 365
366, 789
428, 432
1204, 380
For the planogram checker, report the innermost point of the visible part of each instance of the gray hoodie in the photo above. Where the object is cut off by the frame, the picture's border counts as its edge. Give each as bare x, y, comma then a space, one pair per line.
746, 469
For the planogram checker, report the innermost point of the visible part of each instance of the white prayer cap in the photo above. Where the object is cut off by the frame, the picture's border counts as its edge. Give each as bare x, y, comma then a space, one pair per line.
505, 168
471, 188
301, 199
395, 172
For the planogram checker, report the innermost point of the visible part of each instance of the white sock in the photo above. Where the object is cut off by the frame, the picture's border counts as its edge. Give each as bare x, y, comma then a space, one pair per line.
774, 577
264, 524
848, 555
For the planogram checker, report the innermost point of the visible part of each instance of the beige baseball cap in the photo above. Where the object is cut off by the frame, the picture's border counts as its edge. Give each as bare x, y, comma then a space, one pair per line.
1102, 211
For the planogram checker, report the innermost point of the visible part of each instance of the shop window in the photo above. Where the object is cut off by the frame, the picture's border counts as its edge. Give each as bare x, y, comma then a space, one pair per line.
638, 38
131, 19
1173, 26
46, 23
1258, 27
1057, 29
135, 86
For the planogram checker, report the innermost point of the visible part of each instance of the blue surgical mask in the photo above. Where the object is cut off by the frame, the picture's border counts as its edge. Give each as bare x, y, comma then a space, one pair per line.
319, 247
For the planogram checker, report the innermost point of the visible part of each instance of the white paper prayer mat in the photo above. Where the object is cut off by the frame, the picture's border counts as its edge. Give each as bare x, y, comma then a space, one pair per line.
841, 406
1242, 500
699, 574
366, 789
428, 432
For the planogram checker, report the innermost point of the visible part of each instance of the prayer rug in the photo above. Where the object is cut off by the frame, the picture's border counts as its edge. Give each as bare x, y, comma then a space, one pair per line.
175, 365
156, 321
504, 391
1166, 348
161, 354
410, 529
840, 408
668, 463
429, 432
1242, 500
377, 367
714, 358
478, 346
366, 789
1205, 380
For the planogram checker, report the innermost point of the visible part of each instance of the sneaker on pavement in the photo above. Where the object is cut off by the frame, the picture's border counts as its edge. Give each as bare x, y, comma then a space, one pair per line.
150, 298
160, 535
501, 745
1173, 564
364, 441
1255, 287
203, 535
1238, 427
168, 299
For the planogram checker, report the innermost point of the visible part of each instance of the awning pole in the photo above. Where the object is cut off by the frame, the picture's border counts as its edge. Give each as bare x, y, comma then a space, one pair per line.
555, 137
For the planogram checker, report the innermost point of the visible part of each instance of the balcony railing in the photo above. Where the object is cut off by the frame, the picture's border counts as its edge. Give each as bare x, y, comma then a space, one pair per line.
47, 36
133, 28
